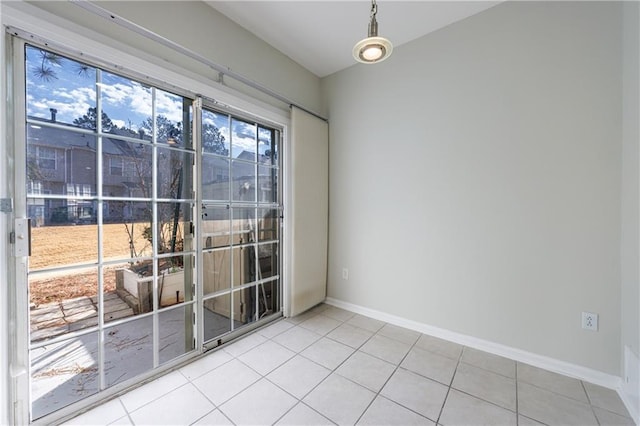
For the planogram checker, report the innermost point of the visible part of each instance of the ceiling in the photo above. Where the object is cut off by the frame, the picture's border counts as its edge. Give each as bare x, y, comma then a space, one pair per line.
319, 35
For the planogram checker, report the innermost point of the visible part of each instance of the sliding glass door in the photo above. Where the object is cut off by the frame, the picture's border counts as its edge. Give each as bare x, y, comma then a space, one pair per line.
155, 226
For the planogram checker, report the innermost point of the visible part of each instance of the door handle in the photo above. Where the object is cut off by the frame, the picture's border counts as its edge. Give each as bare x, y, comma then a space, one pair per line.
23, 237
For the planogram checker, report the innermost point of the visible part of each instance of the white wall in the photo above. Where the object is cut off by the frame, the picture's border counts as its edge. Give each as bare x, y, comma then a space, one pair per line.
475, 180
630, 252
200, 28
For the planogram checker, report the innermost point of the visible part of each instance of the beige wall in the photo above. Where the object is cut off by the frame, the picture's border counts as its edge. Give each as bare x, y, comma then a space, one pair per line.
475, 180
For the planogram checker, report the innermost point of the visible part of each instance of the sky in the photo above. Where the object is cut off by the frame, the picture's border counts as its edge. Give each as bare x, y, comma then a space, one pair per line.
71, 88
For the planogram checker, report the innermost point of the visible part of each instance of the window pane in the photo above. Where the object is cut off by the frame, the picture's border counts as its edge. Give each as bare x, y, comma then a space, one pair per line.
173, 228
57, 158
216, 227
128, 350
127, 169
268, 146
244, 181
127, 104
64, 373
215, 133
174, 338
244, 304
174, 281
126, 232
269, 298
244, 225
243, 140
172, 111
215, 178
268, 224
59, 89
216, 271
53, 246
217, 316
117, 303
267, 184
244, 265
174, 173
268, 260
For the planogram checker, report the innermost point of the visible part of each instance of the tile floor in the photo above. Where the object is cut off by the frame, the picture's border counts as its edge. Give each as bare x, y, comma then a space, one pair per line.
330, 366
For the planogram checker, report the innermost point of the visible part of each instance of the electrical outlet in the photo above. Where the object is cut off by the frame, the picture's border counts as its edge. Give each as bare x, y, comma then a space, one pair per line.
590, 321
345, 274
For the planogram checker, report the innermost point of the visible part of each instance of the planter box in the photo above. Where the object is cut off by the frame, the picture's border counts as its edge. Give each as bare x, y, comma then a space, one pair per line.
170, 289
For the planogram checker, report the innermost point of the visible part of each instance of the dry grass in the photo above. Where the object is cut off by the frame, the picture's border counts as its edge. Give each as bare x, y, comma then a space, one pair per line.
67, 245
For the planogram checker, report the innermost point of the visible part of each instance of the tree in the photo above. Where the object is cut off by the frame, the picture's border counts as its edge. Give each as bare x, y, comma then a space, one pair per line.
89, 120
165, 129
213, 140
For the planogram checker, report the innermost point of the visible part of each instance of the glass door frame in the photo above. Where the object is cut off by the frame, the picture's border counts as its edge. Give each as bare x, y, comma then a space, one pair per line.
20, 389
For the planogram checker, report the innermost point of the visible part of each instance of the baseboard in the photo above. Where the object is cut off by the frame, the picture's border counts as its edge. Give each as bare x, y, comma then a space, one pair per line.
541, 361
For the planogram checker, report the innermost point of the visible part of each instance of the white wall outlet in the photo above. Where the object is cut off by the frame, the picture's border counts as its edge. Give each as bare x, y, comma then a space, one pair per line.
345, 273
590, 321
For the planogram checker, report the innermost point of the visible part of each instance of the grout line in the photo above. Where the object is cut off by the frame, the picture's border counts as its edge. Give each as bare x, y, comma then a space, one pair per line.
517, 398
450, 384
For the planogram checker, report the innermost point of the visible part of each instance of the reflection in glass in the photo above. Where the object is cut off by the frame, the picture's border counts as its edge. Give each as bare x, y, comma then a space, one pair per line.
128, 350
268, 260
216, 271
267, 184
217, 316
244, 181
174, 341
126, 229
174, 219
215, 178
244, 302
268, 224
172, 111
63, 373
60, 89
268, 146
60, 162
268, 298
127, 169
243, 140
174, 167
215, 227
244, 225
215, 133
244, 265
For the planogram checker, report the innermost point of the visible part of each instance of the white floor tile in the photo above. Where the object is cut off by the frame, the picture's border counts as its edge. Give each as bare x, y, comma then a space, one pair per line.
226, 381
327, 353
214, 418
350, 335
122, 421
262, 403
320, 324
146, 393
296, 338
387, 349
526, 421
302, 415
462, 410
401, 334
483, 384
431, 365
607, 399
102, 415
298, 376
244, 344
366, 370
274, 329
439, 346
490, 362
181, 406
205, 364
340, 400
552, 408
337, 313
554, 382
415, 392
365, 322
385, 412
266, 357
607, 418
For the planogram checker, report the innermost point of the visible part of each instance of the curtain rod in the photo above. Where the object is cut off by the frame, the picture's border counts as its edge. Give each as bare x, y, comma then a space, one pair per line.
222, 69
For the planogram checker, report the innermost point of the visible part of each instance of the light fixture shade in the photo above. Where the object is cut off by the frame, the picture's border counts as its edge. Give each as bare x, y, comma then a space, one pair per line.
372, 49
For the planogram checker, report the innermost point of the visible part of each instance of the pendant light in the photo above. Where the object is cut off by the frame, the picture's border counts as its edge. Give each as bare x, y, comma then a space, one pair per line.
373, 48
